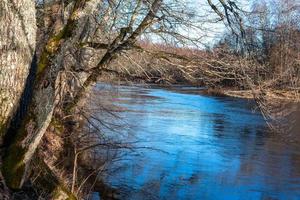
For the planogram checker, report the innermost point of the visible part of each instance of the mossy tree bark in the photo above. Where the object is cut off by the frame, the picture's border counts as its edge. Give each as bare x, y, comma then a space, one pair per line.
47, 88
46, 95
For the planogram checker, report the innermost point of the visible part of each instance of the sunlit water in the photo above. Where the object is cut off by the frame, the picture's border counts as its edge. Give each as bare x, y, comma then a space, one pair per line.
211, 148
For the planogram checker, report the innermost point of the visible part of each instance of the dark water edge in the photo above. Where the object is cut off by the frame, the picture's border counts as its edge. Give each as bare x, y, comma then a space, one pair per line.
201, 147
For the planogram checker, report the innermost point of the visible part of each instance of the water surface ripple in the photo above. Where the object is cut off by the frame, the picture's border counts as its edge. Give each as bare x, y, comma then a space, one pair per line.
212, 148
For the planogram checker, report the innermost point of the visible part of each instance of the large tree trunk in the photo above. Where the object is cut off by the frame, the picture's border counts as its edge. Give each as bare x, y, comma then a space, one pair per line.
47, 93
50, 79
17, 47
26, 93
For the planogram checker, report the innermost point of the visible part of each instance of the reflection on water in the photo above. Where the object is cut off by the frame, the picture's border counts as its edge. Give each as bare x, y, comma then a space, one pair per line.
212, 148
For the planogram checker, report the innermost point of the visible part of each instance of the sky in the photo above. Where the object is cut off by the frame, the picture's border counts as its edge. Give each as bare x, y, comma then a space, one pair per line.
214, 31
210, 31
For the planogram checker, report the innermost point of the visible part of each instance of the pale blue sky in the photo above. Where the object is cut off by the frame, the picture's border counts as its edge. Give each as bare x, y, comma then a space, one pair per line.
210, 31
215, 30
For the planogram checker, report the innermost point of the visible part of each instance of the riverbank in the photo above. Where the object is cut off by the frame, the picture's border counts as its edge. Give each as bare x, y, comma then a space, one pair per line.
271, 95
234, 91
279, 95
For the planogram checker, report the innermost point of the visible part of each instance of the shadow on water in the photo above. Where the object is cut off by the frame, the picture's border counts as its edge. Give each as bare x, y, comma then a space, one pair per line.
217, 148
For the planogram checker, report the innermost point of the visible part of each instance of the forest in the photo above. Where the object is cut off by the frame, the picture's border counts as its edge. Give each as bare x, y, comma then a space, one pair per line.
54, 53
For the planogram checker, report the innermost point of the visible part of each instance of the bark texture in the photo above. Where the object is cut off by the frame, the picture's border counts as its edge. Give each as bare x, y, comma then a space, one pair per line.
47, 93
17, 47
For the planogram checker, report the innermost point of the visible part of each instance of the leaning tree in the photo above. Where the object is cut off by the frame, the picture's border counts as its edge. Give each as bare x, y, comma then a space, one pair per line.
53, 52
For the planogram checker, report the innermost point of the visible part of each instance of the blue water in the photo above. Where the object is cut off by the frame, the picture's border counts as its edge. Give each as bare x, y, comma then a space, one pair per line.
201, 147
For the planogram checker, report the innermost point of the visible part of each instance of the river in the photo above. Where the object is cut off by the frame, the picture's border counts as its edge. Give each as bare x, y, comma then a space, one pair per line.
201, 147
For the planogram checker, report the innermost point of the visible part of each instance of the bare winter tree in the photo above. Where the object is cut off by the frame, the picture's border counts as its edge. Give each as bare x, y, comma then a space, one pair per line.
77, 42
52, 96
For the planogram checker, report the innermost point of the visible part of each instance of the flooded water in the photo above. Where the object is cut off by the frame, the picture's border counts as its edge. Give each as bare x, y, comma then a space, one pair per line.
201, 147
